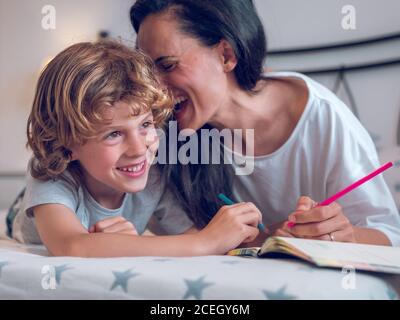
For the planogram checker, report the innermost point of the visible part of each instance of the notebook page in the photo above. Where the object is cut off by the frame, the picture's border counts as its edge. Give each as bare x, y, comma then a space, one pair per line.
349, 252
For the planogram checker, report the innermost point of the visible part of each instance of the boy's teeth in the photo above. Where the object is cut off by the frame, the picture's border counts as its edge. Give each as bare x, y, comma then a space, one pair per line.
133, 168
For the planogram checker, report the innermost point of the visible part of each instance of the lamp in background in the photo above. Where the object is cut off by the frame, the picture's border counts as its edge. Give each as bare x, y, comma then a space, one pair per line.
103, 34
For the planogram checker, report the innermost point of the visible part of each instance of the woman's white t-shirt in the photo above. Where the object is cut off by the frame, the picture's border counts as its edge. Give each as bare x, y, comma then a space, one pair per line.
328, 150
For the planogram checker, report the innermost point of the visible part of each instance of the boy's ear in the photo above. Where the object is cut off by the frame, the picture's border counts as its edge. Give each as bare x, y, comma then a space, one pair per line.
227, 54
73, 155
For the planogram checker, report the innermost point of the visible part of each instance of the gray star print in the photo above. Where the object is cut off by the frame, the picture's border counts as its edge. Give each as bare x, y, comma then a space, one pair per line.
121, 279
162, 260
2, 264
230, 262
196, 287
59, 270
278, 295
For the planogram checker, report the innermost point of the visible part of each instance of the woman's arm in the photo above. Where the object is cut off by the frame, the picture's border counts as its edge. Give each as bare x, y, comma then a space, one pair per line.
371, 236
64, 235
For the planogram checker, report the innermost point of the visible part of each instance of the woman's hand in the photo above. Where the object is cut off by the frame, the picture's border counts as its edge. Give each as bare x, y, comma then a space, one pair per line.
281, 230
114, 225
319, 222
231, 226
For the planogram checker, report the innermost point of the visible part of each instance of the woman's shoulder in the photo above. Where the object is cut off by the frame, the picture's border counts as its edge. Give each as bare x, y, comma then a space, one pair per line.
301, 86
314, 100
324, 114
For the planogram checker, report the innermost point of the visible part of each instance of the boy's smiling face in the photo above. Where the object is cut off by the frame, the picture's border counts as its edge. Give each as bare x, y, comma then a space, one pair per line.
118, 159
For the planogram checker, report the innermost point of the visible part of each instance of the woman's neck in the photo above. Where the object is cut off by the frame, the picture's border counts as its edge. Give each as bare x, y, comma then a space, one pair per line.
266, 111
244, 110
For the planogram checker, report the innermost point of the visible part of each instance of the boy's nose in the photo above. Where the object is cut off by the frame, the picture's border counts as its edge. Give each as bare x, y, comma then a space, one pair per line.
136, 146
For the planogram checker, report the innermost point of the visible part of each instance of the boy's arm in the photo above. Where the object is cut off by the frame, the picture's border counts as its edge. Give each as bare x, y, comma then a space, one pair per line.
191, 230
64, 235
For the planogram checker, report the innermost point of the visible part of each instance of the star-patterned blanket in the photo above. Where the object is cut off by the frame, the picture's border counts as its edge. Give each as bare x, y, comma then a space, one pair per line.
28, 272
31, 276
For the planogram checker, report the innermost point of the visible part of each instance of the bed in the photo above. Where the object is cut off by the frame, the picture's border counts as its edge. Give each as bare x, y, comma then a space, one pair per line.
28, 272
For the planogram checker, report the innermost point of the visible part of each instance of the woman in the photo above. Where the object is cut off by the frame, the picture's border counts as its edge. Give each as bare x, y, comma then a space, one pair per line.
210, 54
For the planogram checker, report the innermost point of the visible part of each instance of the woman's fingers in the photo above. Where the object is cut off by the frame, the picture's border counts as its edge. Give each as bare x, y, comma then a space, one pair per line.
345, 235
317, 229
316, 214
305, 203
282, 233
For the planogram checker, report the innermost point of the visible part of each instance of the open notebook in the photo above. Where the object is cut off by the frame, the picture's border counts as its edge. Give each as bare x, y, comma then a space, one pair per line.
329, 254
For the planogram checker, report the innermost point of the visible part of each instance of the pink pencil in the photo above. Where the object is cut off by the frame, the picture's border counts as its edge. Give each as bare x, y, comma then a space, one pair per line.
351, 187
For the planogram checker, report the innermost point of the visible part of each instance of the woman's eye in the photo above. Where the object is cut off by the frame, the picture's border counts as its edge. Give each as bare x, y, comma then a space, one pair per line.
113, 135
165, 67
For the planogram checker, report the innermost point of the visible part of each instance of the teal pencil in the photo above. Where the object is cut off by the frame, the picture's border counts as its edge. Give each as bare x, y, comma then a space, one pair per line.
229, 202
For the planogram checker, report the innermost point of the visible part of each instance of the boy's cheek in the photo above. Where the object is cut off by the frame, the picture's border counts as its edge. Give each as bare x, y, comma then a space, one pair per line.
153, 146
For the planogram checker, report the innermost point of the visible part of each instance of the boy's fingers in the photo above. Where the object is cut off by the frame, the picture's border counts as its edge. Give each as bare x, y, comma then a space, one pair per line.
103, 224
250, 219
119, 226
252, 234
241, 208
230, 206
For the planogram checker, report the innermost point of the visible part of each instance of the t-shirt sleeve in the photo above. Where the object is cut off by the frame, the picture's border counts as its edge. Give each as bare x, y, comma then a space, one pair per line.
170, 215
37, 193
49, 192
353, 156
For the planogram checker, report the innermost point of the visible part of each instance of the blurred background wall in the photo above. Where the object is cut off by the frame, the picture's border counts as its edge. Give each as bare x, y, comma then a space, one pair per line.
25, 47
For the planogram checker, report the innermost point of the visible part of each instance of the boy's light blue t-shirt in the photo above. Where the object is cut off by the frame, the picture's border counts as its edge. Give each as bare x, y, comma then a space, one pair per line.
137, 208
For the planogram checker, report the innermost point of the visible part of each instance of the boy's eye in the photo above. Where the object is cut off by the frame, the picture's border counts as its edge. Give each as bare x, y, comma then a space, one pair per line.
148, 124
113, 135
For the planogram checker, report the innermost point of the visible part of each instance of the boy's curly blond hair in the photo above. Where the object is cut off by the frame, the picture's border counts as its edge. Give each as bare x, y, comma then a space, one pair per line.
71, 93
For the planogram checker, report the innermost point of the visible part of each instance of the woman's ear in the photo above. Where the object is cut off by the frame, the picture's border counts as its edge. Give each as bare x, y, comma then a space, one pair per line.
227, 54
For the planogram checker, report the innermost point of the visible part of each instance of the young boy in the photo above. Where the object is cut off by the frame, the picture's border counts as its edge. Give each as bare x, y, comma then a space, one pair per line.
92, 130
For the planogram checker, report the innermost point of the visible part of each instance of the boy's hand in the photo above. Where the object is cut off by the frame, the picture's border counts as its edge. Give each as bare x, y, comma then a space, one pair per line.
320, 223
114, 225
231, 226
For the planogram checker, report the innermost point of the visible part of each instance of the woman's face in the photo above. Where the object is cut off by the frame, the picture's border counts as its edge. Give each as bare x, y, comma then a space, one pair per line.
193, 72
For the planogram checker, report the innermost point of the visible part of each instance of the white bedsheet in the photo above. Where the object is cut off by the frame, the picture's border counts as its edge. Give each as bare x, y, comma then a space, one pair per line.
27, 273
